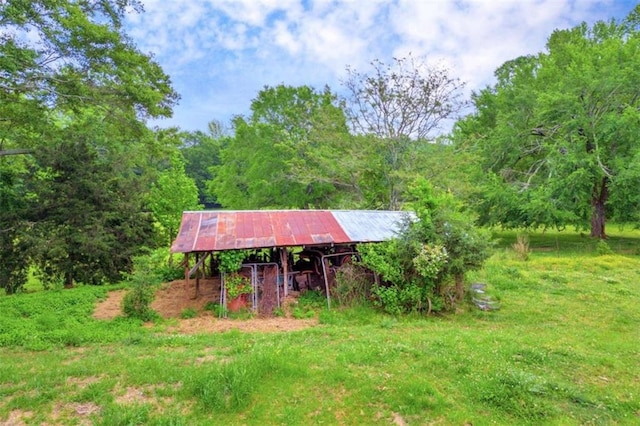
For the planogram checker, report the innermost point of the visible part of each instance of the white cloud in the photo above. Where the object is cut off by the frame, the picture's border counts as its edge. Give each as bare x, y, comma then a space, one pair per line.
221, 52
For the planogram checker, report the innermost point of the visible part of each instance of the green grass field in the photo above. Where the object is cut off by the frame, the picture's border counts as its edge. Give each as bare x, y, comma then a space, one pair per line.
563, 349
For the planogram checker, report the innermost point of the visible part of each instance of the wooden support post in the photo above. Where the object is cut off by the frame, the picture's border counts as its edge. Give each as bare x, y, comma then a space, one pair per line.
197, 275
284, 258
186, 270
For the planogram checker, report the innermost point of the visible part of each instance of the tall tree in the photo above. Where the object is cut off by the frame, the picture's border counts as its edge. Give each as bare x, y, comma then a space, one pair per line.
264, 164
13, 206
201, 151
69, 72
402, 105
558, 132
404, 99
173, 193
67, 55
87, 223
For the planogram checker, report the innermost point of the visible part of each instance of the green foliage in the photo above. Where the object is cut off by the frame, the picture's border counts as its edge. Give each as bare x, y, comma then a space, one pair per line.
217, 309
143, 282
76, 93
159, 262
96, 64
188, 313
397, 300
88, 223
173, 193
137, 302
430, 261
603, 249
13, 265
397, 107
418, 267
230, 261
556, 136
236, 285
201, 152
278, 155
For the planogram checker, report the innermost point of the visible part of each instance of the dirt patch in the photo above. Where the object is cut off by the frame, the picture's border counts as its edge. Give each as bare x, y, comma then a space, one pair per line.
133, 395
82, 382
207, 323
111, 307
17, 418
173, 298
170, 301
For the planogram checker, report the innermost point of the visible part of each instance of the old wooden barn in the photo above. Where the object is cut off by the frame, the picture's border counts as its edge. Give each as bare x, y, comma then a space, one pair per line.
286, 250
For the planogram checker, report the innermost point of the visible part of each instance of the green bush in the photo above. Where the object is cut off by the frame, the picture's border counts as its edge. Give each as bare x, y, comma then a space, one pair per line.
160, 262
144, 279
603, 249
423, 269
137, 302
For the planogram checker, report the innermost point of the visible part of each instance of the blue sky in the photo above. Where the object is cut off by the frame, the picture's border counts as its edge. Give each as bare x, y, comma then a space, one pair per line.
220, 53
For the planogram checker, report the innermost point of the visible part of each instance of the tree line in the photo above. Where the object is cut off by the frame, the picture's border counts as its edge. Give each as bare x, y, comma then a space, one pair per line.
86, 184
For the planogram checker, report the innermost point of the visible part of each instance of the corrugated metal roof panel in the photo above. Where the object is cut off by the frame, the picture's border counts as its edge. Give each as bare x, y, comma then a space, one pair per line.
371, 225
230, 230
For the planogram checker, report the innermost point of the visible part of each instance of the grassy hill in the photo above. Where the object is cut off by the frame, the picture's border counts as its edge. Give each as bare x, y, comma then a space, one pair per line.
563, 349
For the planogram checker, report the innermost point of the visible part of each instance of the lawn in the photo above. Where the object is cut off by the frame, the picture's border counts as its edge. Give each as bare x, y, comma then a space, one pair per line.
564, 348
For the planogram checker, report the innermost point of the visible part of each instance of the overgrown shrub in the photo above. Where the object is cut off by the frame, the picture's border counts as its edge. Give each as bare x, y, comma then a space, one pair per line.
137, 302
353, 285
159, 261
521, 247
144, 279
603, 249
423, 269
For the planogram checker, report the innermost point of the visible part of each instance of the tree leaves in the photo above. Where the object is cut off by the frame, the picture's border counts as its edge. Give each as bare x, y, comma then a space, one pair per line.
558, 128
282, 155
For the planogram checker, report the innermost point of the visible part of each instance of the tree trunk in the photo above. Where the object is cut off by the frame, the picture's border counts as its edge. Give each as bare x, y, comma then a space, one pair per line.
459, 278
598, 215
68, 280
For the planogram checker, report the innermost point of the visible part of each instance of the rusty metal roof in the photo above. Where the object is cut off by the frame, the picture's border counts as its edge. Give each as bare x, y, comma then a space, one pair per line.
229, 230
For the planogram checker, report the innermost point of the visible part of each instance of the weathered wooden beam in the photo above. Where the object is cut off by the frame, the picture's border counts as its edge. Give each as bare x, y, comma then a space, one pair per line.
199, 261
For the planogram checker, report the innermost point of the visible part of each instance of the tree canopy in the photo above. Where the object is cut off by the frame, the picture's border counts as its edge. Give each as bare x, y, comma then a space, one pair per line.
558, 133
398, 107
86, 223
277, 153
75, 93
405, 99
201, 151
74, 53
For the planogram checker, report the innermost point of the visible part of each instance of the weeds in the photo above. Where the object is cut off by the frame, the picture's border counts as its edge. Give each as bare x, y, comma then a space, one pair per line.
353, 285
521, 247
188, 313
603, 249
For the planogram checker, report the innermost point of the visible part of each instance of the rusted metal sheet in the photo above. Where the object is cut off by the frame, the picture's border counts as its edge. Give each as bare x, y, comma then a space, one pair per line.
229, 230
